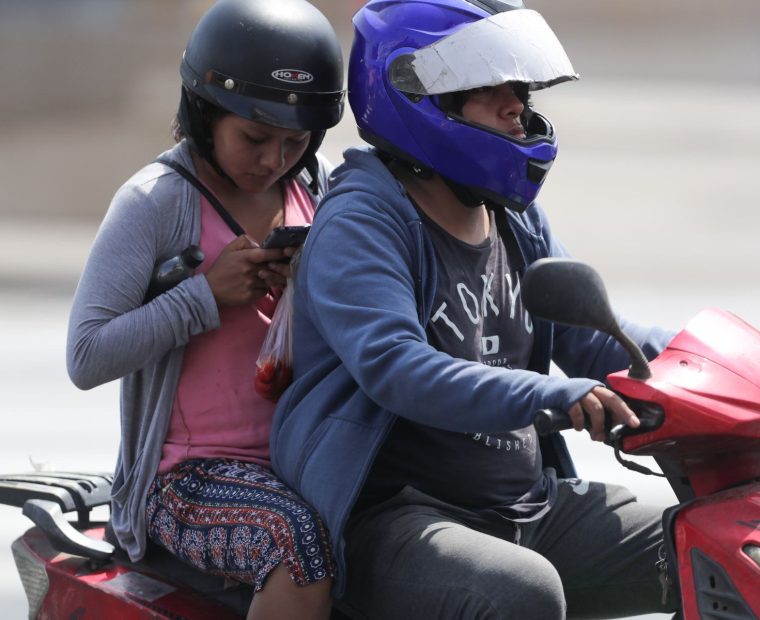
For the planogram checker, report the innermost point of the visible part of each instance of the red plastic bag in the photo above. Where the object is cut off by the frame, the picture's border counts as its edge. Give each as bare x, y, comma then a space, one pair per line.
274, 371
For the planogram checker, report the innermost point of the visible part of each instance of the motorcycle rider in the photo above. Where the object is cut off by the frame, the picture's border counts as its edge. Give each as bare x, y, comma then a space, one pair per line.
417, 367
261, 83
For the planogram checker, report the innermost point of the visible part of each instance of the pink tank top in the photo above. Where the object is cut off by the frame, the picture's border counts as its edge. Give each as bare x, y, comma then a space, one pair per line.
217, 413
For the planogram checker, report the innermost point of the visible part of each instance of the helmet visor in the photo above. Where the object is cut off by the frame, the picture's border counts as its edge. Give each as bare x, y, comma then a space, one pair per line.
512, 46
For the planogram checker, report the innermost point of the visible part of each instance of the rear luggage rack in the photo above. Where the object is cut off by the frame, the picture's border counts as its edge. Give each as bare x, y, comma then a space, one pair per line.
70, 490
45, 496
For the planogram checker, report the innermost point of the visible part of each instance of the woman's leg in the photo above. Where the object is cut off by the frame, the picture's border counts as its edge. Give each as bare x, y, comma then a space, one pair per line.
281, 598
239, 521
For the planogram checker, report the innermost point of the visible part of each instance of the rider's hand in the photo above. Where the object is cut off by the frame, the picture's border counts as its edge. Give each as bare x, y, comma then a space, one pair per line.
594, 404
242, 273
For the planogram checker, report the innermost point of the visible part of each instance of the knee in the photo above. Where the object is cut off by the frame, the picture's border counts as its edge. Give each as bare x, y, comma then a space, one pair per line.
533, 591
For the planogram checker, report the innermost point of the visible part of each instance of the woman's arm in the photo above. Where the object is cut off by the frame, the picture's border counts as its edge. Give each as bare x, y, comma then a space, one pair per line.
111, 334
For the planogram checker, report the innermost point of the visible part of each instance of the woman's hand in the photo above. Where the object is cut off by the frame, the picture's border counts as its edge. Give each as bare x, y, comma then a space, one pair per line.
280, 271
593, 405
244, 272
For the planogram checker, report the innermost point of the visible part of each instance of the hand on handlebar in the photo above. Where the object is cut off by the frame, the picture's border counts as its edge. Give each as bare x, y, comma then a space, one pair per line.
589, 412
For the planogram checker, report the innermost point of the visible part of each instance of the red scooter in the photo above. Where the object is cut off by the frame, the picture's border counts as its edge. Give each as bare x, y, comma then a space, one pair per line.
699, 405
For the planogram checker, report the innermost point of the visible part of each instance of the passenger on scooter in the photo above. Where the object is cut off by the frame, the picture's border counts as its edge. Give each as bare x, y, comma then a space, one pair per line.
261, 83
418, 369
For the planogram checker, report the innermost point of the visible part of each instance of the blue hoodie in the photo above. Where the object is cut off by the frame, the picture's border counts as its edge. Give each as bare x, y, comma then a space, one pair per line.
364, 291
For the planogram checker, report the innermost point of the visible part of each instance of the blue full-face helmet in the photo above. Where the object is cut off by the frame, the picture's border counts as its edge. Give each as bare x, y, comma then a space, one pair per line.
410, 56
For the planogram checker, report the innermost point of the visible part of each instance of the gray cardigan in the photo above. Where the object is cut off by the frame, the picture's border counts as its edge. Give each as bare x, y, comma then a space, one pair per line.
153, 216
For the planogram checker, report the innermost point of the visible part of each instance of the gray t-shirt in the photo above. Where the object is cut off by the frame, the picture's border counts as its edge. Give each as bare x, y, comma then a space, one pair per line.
478, 315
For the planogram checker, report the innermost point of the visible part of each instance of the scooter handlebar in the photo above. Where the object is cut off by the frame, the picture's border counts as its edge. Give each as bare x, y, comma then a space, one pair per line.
548, 421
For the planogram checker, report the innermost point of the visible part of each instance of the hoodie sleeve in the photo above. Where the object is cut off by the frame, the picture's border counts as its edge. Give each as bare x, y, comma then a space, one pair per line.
111, 333
361, 293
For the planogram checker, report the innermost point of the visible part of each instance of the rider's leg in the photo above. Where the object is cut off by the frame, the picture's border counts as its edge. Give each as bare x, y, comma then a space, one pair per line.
604, 544
414, 557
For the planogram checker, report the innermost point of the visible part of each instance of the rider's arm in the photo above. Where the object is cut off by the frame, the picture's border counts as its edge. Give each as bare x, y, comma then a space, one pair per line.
360, 290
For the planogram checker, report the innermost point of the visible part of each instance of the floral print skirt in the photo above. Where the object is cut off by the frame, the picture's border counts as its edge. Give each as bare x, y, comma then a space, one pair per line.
237, 520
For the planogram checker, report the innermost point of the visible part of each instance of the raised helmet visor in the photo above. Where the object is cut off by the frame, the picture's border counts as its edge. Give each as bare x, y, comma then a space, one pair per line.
512, 46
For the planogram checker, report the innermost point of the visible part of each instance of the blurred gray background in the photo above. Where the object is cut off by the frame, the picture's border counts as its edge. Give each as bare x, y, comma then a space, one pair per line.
656, 183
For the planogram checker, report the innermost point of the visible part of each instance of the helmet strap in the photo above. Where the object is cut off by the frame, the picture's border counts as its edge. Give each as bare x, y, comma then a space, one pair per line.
194, 120
467, 196
309, 161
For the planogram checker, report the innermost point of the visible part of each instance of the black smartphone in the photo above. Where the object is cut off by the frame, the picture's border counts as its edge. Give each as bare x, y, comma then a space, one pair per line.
286, 236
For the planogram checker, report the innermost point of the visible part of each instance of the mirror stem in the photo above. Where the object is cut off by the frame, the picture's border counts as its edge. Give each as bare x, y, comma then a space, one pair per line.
639, 366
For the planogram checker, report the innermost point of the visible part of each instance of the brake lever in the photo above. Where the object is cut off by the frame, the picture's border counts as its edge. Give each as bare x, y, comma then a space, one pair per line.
615, 439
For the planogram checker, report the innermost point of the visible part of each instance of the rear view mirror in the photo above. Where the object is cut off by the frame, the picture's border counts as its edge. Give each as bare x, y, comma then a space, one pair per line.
570, 292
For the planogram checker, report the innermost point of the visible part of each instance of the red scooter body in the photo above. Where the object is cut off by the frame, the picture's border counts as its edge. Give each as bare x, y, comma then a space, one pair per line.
707, 383
75, 588
69, 570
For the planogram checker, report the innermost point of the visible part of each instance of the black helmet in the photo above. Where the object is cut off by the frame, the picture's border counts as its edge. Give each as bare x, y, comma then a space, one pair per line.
275, 62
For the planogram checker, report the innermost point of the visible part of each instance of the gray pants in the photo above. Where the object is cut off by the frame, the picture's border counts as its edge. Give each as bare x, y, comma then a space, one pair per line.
592, 556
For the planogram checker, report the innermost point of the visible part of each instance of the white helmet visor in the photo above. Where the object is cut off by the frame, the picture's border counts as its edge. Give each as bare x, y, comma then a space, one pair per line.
512, 46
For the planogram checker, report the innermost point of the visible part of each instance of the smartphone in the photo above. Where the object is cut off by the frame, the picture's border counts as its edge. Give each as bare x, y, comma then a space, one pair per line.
286, 236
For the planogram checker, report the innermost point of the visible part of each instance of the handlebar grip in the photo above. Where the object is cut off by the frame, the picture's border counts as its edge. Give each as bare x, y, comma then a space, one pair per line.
548, 421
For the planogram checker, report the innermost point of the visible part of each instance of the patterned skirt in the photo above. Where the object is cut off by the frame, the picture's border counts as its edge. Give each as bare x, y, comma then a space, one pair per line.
237, 520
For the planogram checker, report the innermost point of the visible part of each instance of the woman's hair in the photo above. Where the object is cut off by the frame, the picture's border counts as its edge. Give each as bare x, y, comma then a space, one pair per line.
211, 113
176, 130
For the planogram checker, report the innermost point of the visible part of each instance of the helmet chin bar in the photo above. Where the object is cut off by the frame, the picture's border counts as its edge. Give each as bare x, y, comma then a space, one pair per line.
537, 129
475, 196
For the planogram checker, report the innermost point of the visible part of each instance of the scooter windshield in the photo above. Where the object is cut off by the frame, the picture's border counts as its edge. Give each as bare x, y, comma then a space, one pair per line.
512, 46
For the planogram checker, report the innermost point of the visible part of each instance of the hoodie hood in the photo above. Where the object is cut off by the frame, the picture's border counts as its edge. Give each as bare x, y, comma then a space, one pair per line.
363, 171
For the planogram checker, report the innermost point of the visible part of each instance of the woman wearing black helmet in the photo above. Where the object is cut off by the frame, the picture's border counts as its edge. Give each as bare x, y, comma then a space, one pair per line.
261, 83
